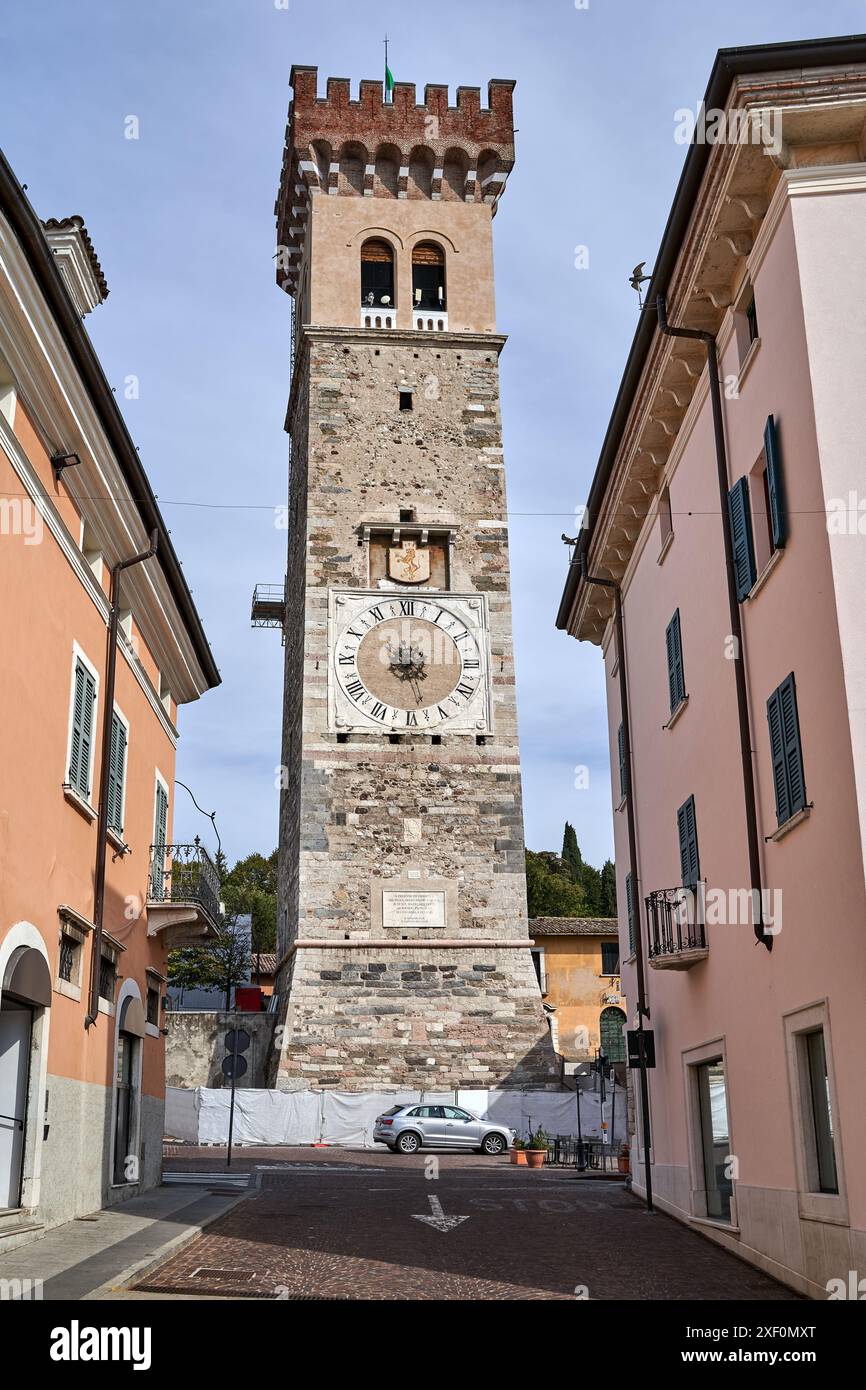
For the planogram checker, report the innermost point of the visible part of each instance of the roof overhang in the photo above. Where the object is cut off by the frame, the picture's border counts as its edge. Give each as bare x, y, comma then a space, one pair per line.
813, 96
30, 234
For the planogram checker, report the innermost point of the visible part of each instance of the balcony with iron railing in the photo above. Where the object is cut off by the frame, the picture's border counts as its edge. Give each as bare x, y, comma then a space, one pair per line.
183, 894
676, 930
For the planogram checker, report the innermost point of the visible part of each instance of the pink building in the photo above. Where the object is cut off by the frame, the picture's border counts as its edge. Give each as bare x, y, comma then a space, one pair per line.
727, 517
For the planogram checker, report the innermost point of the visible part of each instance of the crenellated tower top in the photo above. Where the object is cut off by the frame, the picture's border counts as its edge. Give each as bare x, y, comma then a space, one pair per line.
376, 149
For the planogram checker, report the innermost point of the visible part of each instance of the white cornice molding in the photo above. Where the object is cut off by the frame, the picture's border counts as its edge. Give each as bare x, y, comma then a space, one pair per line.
799, 183
64, 415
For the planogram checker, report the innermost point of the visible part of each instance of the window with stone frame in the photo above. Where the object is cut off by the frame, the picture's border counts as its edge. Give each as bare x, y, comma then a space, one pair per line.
67, 966
107, 979
153, 1005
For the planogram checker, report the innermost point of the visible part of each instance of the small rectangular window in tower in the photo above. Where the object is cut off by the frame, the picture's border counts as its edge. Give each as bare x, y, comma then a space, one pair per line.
407, 514
405, 398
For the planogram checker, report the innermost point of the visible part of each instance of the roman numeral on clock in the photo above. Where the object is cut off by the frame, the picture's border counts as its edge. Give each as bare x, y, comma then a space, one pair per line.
407, 607
463, 689
355, 689
378, 710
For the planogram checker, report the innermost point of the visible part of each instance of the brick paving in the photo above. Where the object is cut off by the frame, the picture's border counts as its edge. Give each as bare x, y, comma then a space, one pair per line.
339, 1224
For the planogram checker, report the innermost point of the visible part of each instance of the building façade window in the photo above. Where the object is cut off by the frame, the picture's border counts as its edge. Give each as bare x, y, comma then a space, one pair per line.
377, 274
610, 958
428, 276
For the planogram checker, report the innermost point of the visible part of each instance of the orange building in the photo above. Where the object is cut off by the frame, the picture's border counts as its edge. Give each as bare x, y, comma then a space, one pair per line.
83, 937
577, 963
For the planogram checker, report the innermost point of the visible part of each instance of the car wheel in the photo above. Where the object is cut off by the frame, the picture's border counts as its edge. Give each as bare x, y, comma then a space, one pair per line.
408, 1143
493, 1144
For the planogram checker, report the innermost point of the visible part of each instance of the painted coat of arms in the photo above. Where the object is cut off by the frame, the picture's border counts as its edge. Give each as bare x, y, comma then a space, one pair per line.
407, 564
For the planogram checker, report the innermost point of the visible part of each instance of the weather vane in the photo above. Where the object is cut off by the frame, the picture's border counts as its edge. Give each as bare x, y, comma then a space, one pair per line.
636, 279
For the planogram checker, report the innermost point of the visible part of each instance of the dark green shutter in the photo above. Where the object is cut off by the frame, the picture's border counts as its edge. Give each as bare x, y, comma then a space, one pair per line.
688, 832
773, 455
623, 770
116, 767
629, 907
83, 701
786, 750
160, 828
676, 675
740, 514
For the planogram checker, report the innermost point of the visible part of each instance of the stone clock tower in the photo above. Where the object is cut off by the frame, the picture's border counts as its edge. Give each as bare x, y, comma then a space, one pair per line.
404, 948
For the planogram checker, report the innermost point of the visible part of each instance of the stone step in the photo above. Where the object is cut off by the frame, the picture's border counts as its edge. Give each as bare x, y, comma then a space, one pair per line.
16, 1227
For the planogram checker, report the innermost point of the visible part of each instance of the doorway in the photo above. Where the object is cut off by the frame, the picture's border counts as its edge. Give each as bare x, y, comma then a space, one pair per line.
16, 1029
125, 1159
714, 1138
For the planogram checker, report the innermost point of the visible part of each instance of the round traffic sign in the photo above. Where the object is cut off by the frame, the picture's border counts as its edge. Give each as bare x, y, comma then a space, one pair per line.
243, 1040
234, 1066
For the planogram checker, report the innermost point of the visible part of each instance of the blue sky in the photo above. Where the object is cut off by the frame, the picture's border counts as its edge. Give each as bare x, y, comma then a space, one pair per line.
182, 221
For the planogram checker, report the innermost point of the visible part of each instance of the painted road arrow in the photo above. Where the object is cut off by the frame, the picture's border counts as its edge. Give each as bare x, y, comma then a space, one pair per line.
439, 1219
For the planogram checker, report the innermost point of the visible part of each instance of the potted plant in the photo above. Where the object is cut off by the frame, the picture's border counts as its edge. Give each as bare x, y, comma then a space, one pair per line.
622, 1159
518, 1153
536, 1149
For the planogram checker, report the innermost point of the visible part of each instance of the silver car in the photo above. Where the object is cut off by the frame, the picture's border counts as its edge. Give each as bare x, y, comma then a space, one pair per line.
408, 1128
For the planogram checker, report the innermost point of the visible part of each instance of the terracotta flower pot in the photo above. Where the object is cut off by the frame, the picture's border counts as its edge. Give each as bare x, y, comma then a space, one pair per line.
518, 1156
622, 1163
535, 1157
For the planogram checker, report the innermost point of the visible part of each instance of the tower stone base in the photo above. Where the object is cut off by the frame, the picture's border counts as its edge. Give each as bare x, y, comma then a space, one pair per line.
419, 1019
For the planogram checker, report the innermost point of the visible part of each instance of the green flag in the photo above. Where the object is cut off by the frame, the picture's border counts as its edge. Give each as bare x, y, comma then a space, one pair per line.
389, 84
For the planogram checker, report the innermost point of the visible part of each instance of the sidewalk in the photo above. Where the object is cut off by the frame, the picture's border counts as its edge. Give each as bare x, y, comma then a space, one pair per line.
90, 1257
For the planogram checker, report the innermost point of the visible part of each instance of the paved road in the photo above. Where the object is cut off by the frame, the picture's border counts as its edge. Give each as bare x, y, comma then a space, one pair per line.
334, 1224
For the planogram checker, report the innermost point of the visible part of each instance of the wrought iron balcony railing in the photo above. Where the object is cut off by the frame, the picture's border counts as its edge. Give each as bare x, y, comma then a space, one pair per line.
676, 928
184, 874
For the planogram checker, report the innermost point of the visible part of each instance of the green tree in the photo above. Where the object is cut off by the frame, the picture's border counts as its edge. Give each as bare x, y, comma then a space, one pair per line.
228, 958
251, 888
549, 890
190, 968
608, 889
571, 855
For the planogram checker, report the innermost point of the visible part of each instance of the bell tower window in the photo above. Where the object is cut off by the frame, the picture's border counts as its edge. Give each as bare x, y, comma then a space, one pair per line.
377, 275
428, 276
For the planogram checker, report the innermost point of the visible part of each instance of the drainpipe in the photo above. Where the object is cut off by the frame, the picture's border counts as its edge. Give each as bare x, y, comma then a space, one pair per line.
642, 1006
102, 823
709, 343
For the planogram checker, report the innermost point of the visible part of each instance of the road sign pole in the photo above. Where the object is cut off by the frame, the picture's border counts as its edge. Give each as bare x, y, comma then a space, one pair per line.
236, 1034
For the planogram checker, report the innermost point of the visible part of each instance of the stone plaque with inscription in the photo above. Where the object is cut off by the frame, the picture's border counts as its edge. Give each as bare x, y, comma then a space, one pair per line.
413, 908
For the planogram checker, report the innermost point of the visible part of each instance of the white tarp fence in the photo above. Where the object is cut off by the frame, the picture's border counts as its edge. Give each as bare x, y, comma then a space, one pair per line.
346, 1117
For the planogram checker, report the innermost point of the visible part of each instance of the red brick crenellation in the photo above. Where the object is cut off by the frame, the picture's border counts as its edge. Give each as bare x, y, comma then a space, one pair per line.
371, 121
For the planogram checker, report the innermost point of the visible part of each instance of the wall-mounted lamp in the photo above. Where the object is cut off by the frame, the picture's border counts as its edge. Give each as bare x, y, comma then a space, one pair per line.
61, 461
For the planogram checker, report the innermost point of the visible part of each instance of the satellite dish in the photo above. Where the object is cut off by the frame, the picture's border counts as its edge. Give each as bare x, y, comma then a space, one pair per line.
386, 299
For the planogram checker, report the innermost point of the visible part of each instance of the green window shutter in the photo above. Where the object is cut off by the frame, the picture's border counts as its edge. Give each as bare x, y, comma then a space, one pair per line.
773, 455
674, 648
688, 832
629, 904
116, 770
786, 750
623, 770
81, 751
161, 819
740, 514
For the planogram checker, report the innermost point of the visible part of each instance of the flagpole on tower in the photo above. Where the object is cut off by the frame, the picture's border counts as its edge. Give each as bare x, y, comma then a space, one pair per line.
389, 80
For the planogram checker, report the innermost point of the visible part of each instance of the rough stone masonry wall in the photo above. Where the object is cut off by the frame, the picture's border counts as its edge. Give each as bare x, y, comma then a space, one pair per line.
373, 1019
370, 809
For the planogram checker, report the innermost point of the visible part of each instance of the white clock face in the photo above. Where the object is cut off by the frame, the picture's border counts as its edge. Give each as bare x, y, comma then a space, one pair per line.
407, 662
